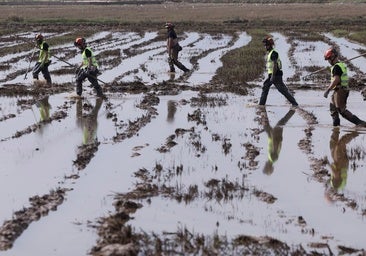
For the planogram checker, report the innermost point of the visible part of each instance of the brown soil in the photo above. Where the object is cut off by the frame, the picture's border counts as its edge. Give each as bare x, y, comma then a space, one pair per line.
116, 237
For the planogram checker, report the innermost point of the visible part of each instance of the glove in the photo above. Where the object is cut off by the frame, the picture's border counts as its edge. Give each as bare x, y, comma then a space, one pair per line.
326, 93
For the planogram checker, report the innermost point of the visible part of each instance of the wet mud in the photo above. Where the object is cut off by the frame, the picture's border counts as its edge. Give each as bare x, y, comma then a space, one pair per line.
136, 83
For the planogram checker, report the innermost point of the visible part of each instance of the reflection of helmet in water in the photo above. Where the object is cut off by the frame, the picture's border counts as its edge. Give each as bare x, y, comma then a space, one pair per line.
268, 41
39, 38
80, 41
330, 54
169, 25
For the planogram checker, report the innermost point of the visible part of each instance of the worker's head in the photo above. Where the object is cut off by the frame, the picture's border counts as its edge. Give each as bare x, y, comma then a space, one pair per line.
80, 42
268, 42
331, 55
39, 38
169, 25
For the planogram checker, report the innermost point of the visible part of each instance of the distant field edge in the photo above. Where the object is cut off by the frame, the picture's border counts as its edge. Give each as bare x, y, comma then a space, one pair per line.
147, 2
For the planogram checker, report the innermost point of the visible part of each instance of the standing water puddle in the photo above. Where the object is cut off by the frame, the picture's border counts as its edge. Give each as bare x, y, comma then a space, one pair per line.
190, 144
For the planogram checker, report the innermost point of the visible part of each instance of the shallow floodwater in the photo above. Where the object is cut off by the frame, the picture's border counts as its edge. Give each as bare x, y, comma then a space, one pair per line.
39, 161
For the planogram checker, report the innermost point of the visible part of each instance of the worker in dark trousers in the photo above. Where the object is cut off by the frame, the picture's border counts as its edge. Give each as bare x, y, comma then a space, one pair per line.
87, 69
340, 88
43, 60
173, 49
274, 70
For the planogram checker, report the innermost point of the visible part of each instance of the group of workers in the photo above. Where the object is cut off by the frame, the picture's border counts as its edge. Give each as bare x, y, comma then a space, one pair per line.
88, 69
338, 84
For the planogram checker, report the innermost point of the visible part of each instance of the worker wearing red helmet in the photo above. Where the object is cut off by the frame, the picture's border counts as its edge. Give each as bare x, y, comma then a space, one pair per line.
87, 69
340, 88
173, 48
274, 70
43, 59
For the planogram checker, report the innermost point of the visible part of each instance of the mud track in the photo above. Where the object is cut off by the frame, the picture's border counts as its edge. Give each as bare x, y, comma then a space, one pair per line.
133, 63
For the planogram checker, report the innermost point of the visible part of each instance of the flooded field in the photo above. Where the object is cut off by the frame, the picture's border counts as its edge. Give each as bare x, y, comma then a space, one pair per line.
165, 166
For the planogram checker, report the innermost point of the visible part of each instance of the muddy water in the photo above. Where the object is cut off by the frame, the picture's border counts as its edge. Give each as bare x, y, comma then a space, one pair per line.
225, 140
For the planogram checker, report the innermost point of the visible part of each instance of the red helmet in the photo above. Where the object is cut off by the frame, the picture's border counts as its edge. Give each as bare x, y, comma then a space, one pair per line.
39, 37
330, 53
169, 25
80, 41
268, 41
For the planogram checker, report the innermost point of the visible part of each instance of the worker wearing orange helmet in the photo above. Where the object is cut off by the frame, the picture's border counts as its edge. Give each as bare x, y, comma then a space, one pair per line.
87, 69
274, 70
173, 48
340, 88
43, 59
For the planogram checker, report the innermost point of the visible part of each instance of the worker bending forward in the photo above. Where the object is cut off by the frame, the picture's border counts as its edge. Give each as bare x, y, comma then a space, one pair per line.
87, 69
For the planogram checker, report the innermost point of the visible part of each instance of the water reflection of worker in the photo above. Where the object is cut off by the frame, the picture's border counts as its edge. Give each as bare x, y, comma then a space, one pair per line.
44, 109
88, 122
172, 108
274, 139
340, 164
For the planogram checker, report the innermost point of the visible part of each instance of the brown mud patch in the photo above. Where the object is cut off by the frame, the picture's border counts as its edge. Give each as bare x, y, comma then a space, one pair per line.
116, 236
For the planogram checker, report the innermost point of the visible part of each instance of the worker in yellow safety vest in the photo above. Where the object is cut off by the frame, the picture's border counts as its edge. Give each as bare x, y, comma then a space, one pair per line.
339, 86
43, 60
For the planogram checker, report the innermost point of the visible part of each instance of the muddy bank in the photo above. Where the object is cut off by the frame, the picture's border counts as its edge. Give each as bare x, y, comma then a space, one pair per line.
178, 164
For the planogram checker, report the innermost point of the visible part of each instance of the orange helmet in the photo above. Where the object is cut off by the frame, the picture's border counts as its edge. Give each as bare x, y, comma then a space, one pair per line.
330, 53
80, 41
169, 25
39, 37
268, 41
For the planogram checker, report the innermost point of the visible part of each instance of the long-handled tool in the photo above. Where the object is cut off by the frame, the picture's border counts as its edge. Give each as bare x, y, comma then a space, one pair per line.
30, 61
68, 63
348, 60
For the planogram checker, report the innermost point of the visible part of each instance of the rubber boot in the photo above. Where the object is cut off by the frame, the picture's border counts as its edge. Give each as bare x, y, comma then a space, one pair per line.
351, 117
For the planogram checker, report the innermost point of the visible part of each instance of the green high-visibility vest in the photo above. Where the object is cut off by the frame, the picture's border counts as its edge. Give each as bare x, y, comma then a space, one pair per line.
85, 59
270, 62
43, 57
344, 76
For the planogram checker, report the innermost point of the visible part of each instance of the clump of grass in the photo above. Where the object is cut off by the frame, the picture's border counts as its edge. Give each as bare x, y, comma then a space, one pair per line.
359, 36
340, 33
15, 18
244, 64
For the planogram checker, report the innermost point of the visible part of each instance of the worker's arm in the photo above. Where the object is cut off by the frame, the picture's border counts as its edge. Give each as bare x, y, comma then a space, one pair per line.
333, 84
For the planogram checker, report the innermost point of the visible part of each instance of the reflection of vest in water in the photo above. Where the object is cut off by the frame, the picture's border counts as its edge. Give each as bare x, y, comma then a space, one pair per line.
44, 109
340, 181
274, 149
340, 163
44, 112
89, 131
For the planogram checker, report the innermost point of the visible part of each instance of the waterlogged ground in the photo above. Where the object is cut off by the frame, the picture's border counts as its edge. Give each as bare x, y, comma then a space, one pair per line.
161, 167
